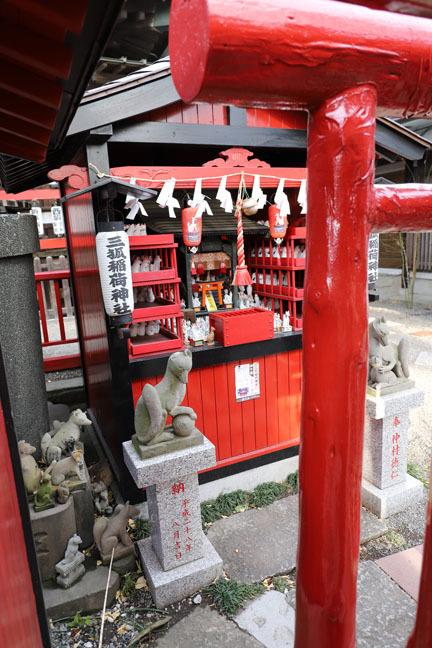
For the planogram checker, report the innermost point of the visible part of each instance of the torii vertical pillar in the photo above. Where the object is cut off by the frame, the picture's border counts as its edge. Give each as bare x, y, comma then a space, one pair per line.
341, 145
338, 61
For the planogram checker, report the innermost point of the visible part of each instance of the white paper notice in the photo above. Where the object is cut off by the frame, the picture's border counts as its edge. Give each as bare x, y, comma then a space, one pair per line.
247, 381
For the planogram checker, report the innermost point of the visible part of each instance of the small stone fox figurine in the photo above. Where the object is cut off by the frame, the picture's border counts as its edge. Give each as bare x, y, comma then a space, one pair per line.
112, 534
155, 403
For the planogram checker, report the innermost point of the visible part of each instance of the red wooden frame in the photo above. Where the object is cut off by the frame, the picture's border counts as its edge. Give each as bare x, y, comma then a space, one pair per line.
237, 162
19, 623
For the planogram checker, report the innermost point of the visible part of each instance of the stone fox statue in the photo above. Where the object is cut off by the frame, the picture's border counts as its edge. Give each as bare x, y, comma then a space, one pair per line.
388, 362
155, 403
112, 533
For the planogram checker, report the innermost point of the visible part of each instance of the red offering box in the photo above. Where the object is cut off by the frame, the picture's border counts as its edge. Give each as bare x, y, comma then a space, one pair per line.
242, 326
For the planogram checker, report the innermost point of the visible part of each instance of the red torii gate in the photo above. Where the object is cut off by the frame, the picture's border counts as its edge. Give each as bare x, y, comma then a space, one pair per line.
340, 62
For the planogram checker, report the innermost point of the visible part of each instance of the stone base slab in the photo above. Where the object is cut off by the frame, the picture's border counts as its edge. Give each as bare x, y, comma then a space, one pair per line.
86, 595
165, 447
392, 500
71, 578
173, 585
119, 552
146, 472
402, 401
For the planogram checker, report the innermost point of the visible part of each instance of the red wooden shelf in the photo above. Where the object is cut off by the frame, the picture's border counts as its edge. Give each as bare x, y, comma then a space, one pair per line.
159, 309
152, 241
278, 292
266, 263
165, 340
153, 276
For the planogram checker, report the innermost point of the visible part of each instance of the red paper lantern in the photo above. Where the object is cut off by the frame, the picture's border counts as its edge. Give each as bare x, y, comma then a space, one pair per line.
192, 227
278, 223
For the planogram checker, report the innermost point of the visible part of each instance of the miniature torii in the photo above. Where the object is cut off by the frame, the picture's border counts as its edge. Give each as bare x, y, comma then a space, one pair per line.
340, 62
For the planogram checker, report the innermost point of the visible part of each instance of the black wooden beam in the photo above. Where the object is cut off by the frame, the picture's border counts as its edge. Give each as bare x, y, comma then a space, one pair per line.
121, 105
395, 144
203, 135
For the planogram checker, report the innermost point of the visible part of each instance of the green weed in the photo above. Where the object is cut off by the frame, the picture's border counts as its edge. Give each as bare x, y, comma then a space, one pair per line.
230, 595
280, 584
141, 528
79, 620
292, 481
227, 504
266, 494
129, 580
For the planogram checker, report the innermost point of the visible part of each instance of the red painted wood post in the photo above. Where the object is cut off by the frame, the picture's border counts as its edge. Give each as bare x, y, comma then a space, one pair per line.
341, 151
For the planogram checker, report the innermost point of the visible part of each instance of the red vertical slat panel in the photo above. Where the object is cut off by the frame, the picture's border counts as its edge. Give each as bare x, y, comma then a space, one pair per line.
59, 309
272, 398
45, 336
222, 410
219, 115
189, 113
295, 373
205, 114
283, 397
276, 118
260, 406
174, 113
19, 624
248, 417
195, 398
209, 406
262, 118
250, 116
159, 115
235, 413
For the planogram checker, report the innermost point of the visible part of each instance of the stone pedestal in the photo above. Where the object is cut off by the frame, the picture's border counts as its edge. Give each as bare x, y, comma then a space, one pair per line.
69, 571
20, 328
52, 530
387, 488
178, 559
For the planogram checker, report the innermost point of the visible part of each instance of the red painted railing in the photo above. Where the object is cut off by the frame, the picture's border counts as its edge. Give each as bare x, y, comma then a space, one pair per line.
56, 284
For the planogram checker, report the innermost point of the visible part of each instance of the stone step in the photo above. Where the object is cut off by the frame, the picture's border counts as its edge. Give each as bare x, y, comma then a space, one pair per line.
242, 540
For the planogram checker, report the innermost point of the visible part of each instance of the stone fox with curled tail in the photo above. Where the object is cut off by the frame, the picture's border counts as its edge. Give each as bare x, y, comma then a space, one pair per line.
388, 362
155, 403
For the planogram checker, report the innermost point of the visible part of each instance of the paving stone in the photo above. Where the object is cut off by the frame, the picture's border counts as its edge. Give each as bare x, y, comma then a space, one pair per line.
86, 595
206, 628
371, 527
269, 619
385, 613
242, 540
404, 568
